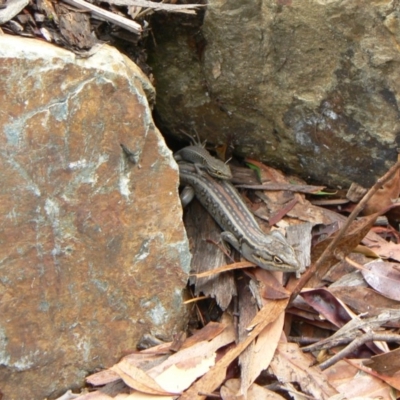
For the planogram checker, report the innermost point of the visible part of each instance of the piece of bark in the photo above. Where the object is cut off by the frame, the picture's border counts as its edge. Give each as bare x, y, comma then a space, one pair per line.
299, 236
244, 176
201, 228
13, 8
355, 192
75, 27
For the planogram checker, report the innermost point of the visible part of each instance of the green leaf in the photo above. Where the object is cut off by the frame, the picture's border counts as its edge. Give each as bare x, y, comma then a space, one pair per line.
255, 168
322, 193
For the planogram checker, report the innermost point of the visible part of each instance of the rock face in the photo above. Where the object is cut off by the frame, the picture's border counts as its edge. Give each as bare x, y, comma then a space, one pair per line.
93, 251
308, 86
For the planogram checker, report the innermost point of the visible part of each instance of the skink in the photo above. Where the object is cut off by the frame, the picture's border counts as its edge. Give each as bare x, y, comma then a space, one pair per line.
202, 159
240, 229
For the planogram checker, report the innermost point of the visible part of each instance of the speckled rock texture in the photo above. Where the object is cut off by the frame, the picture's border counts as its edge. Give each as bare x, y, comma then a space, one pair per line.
311, 87
93, 252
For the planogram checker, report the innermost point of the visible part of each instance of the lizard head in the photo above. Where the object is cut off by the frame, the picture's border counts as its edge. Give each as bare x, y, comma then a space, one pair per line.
275, 254
218, 169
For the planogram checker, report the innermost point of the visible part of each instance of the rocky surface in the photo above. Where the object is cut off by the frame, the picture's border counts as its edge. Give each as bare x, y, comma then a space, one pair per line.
311, 87
93, 251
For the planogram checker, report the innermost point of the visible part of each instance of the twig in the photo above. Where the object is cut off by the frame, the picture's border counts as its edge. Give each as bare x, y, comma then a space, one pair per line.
328, 251
352, 329
357, 342
302, 340
284, 186
125, 23
156, 6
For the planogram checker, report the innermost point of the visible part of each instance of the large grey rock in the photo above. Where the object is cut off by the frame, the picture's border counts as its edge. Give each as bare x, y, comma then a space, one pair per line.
93, 252
308, 86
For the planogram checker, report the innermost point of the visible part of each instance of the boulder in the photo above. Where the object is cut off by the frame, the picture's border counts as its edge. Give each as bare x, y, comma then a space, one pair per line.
311, 87
93, 250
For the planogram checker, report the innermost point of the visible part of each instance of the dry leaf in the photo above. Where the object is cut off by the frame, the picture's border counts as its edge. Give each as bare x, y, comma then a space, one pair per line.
290, 364
366, 251
247, 309
393, 381
214, 378
351, 384
141, 396
356, 232
269, 286
278, 215
138, 379
363, 299
385, 195
172, 374
386, 363
184, 367
102, 377
387, 250
179, 377
210, 331
97, 395
384, 277
268, 174
327, 305
255, 392
140, 360
262, 352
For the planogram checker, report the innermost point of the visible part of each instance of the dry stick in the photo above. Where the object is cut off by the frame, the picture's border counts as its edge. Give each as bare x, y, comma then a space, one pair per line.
302, 340
123, 22
353, 329
324, 256
357, 342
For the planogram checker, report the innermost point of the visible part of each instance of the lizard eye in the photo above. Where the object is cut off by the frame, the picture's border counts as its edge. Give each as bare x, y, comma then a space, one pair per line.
277, 260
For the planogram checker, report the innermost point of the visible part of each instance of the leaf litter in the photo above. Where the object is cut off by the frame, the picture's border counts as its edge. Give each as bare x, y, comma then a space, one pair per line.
349, 300
332, 334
